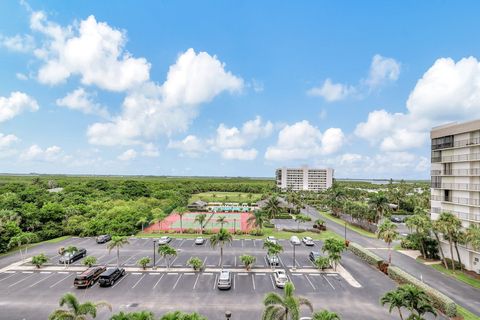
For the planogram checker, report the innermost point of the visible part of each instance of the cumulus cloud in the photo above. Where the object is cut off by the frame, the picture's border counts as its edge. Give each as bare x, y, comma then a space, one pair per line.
7, 140
36, 153
448, 91
332, 91
15, 104
150, 150
82, 101
301, 141
21, 76
382, 70
190, 146
152, 110
92, 50
128, 155
239, 154
18, 43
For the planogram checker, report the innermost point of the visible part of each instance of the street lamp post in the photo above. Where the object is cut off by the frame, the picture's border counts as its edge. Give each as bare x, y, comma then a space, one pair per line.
154, 249
345, 230
234, 225
228, 315
294, 267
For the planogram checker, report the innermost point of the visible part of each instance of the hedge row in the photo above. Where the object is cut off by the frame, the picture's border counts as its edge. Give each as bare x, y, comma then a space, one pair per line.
283, 216
365, 254
439, 300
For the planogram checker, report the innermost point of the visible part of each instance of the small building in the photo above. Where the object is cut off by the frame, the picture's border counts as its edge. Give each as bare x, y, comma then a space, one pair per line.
198, 205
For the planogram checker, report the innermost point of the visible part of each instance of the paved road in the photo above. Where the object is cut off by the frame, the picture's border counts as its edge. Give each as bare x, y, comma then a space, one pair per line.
33, 295
461, 293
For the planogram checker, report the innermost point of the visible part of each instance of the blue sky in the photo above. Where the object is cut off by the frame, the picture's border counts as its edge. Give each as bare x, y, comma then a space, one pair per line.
232, 89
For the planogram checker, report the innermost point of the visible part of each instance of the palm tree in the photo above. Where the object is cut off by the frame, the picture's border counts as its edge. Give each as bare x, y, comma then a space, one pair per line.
416, 301
472, 236
286, 307
222, 220
394, 299
438, 227
273, 249
449, 225
69, 250
379, 203
142, 221
248, 261
167, 252
422, 226
117, 242
387, 231
181, 212
220, 239
325, 315
334, 248
76, 310
301, 218
200, 218
257, 219
272, 207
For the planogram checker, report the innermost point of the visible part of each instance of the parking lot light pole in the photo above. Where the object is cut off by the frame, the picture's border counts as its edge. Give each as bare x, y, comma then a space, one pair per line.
345, 230
294, 267
234, 225
228, 315
154, 267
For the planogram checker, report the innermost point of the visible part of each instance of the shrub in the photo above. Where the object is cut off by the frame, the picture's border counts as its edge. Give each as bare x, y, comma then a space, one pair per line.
89, 261
248, 261
322, 263
239, 232
268, 225
256, 232
439, 300
196, 263
143, 262
365, 254
39, 260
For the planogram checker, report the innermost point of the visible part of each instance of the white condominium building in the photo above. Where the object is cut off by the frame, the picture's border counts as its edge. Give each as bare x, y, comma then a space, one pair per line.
456, 180
309, 179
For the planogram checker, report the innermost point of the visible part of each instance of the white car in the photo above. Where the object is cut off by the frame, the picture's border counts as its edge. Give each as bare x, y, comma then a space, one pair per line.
308, 241
294, 240
271, 239
164, 240
280, 278
199, 240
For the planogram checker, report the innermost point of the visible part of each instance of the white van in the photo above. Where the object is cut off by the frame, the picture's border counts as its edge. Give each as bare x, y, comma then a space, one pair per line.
294, 240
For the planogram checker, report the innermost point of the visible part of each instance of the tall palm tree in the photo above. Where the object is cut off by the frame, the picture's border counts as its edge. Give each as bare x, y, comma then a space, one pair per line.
257, 218
273, 249
286, 307
167, 252
200, 218
116, 243
272, 207
472, 236
438, 227
449, 225
416, 301
222, 220
387, 231
181, 212
76, 310
422, 226
379, 203
220, 239
325, 315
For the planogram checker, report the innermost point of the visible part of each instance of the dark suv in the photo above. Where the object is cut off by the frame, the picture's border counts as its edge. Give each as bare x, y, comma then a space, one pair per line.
68, 257
314, 255
104, 238
88, 277
108, 277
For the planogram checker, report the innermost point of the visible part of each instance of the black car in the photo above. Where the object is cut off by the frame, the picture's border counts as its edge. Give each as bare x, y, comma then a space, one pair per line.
70, 257
104, 238
314, 255
109, 276
88, 277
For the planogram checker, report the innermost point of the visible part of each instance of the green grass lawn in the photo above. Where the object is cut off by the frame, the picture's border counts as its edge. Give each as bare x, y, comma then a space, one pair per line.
240, 197
349, 226
460, 276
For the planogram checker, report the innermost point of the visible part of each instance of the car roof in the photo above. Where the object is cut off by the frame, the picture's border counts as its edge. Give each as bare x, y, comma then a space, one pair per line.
109, 271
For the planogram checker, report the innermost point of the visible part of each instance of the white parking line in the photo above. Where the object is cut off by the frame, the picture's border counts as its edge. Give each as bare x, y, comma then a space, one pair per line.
234, 282
156, 283
310, 282
116, 283
242, 243
46, 272
53, 285
215, 283
178, 279
8, 276
125, 262
27, 271
40, 280
196, 280
235, 262
208, 274
205, 261
138, 281
273, 284
253, 281
181, 243
19, 281
329, 282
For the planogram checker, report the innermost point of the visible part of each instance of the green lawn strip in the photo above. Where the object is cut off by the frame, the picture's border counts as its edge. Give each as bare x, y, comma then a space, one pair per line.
467, 315
267, 232
349, 226
54, 240
460, 276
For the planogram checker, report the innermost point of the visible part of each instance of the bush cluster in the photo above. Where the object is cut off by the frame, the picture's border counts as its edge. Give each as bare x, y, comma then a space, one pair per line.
283, 216
365, 254
439, 300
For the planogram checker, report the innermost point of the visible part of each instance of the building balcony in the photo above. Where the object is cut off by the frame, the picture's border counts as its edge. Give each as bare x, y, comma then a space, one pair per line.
457, 144
461, 215
457, 200
457, 186
459, 158
457, 172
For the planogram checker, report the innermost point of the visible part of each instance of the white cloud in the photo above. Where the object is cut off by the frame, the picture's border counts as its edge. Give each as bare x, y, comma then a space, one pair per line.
7, 140
382, 70
18, 43
190, 145
301, 140
35, 153
153, 110
82, 101
93, 50
150, 150
15, 104
21, 76
332, 91
128, 155
239, 154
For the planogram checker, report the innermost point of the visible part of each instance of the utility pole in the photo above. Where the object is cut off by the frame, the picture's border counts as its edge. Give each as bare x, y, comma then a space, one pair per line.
294, 264
154, 249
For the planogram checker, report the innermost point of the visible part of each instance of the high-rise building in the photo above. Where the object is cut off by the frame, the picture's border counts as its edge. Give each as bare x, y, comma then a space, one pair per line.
297, 179
456, 180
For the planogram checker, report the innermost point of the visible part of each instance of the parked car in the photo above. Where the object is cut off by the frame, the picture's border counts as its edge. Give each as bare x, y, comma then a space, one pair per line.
224, 280
199, 240
271, 239
308, 241
109, 276
280, 278
88, 277
272, 260
70, 257
104, 238
164, 240
314, 255
397, 219
294, 240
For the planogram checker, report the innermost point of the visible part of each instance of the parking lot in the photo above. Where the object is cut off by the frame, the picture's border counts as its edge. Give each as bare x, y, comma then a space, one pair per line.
34, 294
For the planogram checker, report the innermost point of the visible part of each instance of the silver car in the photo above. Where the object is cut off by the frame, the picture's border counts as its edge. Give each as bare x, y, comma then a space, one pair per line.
308, 241
272, 260
164, 240
280, 278
199, 240
224, 280
294, 240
